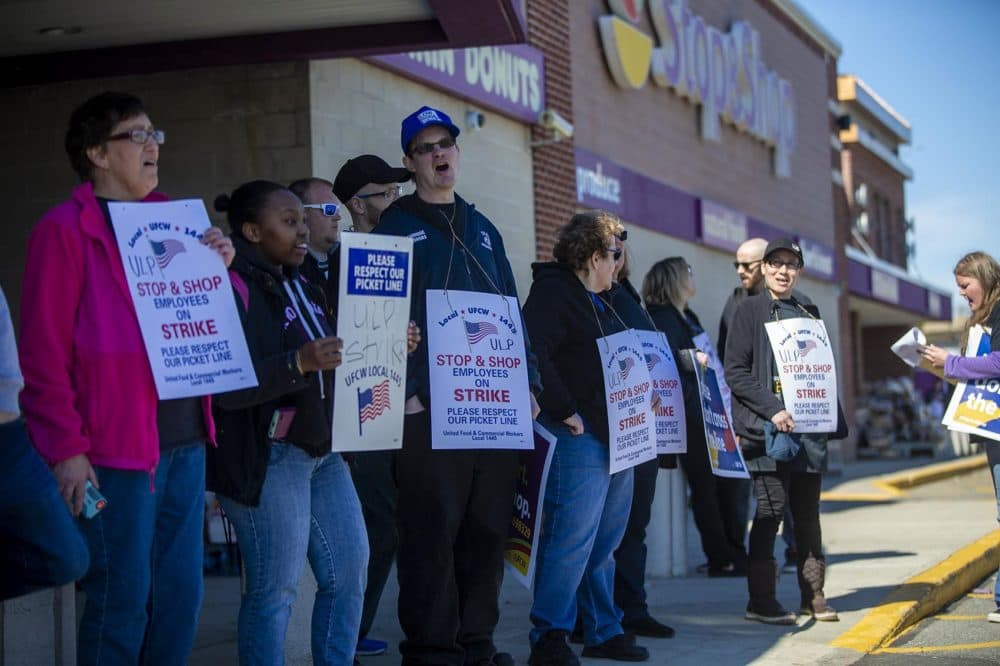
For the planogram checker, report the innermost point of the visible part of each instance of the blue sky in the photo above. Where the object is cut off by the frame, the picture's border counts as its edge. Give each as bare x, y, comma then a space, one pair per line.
937, 64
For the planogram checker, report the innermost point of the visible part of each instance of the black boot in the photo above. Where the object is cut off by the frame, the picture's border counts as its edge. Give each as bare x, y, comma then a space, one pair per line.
552, 650
763, 605
812, 578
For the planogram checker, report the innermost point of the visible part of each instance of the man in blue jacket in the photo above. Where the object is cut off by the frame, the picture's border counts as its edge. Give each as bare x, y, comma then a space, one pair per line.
454, 506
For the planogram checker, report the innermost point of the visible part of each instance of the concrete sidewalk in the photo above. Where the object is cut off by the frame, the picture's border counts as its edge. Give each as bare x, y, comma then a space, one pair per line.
873, 544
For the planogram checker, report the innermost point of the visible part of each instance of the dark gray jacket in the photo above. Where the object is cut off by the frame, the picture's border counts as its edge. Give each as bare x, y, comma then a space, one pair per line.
750, 373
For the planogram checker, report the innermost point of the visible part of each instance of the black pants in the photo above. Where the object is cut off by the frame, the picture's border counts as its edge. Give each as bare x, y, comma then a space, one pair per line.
453, 516
719, 539
374, 479
630, 558
800, 490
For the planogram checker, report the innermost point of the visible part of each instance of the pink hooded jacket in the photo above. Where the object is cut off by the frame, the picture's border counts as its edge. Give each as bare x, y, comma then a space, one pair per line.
88, 387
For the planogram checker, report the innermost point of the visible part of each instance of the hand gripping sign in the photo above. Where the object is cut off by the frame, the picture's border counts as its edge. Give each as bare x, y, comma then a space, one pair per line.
183, 299
671, 428
806, 369
373, 312
975, 405
628, 389
478, 372
723, 450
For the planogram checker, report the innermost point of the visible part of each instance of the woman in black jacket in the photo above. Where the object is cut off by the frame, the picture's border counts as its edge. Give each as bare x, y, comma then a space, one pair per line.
753, 379
585, 507
286, 494
667, 289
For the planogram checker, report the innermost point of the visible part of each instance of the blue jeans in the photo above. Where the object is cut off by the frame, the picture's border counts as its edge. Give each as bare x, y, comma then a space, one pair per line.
993, 460
39, 544
584, 517
308, 507
144, 587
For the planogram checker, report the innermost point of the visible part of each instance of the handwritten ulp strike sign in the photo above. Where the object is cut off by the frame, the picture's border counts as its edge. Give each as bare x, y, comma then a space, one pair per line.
183, 299
372, 316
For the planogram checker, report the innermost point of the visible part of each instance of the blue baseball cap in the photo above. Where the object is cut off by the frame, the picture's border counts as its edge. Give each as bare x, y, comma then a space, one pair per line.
421, 119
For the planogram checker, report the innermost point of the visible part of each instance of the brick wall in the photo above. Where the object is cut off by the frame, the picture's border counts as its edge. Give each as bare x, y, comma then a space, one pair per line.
553, 168
655, 132
884, 183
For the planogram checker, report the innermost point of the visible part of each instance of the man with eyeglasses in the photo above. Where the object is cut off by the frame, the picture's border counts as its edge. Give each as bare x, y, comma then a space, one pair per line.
734, 494
322, 216
454, 506
367, 185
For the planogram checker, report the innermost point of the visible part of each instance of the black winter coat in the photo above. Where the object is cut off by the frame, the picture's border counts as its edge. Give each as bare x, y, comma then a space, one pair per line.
236, 468
560, 313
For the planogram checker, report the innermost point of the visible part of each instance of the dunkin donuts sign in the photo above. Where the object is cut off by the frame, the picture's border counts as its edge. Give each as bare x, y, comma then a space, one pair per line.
720, 72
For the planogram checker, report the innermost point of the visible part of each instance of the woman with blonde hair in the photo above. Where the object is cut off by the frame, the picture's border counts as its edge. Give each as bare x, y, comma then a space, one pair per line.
977, 276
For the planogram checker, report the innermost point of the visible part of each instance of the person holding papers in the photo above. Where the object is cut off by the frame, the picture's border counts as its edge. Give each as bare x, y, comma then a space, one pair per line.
91, 405
287, 495
977, 275
752, 374
586, 508
668, 288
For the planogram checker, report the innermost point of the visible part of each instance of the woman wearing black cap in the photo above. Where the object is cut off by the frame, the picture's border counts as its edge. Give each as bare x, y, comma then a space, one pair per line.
752, 375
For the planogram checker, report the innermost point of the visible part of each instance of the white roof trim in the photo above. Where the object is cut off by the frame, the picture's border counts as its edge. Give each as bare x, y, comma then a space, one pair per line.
877, 148
809, 25
869, 100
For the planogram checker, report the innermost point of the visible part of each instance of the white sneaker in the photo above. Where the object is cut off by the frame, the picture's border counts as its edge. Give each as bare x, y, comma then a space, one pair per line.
994, 616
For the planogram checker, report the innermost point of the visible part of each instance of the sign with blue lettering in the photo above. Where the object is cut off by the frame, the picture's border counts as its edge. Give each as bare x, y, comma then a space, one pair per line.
723, 449
373, 311
975, 404
183, 299
373, 272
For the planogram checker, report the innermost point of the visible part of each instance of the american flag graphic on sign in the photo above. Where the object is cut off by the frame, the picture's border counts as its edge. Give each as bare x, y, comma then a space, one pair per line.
625, 366
651, 361
372, 402
166, 250
805, 346
477, 330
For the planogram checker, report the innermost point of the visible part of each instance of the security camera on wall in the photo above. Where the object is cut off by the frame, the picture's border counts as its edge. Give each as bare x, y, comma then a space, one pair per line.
475, 119
551, 120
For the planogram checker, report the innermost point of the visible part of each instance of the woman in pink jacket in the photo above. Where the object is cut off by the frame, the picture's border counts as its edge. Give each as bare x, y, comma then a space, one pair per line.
91, 404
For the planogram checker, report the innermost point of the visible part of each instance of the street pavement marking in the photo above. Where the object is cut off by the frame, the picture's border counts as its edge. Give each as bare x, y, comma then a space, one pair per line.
981, 616
939, 648
979, 595
923, 594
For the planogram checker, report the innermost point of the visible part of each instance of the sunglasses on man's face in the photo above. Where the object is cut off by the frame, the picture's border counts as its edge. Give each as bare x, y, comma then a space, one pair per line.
425, 148
328, 209
745, 265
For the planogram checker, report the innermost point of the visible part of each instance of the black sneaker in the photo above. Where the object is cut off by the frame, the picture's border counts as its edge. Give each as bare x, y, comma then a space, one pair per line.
728, 570
498, 659
648, 626
552, 650
617, 648
702, 568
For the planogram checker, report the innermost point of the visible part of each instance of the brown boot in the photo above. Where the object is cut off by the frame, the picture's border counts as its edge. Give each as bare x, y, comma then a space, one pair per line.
763, 605
812, 577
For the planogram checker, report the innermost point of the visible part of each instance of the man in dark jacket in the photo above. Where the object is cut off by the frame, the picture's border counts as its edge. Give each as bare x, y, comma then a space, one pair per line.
454, 506
734, 494
323, 212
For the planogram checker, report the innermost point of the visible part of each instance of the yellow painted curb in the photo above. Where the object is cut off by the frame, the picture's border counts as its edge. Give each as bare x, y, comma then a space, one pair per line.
892, 486
928, 473
923, 594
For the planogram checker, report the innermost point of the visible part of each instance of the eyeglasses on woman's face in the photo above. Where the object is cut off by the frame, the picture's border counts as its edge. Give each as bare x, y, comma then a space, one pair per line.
778, 264
140, 136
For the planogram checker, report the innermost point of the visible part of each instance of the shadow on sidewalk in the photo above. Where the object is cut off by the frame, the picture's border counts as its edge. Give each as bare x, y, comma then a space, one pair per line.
840, 558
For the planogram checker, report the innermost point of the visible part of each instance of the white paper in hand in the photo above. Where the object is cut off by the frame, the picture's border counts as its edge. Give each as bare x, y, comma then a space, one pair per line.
908, 347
